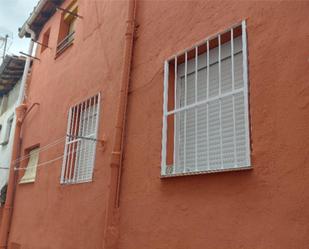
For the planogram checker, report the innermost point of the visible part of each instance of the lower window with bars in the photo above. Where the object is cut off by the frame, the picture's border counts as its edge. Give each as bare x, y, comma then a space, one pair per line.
205, 109
80, 146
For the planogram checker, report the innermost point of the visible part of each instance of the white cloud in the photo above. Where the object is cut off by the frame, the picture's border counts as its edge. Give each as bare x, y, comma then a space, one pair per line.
13, 14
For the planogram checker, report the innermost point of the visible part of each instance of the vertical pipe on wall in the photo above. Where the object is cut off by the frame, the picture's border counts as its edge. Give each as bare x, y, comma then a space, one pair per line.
111, 224
9, 202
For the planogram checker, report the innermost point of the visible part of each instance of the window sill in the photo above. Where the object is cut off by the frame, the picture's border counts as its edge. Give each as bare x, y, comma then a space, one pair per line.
76, 182
206, 172
25, 181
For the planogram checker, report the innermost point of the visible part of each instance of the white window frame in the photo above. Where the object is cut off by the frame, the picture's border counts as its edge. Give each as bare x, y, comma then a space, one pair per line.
31, 169
77, 136
193, 66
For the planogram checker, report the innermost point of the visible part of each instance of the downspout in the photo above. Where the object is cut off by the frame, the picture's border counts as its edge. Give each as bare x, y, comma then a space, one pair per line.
16, 151
111, 231
9, 202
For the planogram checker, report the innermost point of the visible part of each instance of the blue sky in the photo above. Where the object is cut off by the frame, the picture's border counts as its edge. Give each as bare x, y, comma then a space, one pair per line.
13, 14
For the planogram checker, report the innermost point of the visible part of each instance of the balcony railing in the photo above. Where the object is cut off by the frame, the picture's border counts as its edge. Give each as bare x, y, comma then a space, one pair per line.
66, 42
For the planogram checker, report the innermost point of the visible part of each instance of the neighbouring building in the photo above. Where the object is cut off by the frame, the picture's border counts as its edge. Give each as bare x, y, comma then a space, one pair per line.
11, 71
137, 102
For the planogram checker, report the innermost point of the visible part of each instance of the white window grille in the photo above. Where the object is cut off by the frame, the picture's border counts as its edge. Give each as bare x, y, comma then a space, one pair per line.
80, 147
205, 109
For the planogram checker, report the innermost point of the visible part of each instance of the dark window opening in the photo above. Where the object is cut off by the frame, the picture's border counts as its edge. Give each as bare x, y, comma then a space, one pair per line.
45, 40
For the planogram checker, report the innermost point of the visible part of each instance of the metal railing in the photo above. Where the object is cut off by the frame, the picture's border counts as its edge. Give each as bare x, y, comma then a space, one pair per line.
66, 42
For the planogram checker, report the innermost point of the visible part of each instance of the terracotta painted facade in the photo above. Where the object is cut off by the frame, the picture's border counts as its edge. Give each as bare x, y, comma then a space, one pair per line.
266, 207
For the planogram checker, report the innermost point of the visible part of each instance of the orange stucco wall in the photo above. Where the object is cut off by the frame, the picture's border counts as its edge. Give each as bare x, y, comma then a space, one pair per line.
267, 207
46, 214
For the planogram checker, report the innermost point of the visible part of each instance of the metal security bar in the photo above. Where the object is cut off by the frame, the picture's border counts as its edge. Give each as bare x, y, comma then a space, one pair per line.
67, 41
207, 117
80, 147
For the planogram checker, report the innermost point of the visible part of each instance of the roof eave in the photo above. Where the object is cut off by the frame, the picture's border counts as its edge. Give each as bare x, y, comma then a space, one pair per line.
41, 13
11, 71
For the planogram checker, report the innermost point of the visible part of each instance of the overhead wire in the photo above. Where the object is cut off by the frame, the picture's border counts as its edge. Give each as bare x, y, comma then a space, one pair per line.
52, 160
41, 149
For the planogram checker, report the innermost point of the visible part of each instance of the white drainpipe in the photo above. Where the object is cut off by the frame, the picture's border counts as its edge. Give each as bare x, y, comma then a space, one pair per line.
23, 83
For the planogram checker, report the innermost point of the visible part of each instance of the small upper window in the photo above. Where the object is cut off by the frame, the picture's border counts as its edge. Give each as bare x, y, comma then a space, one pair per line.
205, 119
45, 40
79, 153
67, 27
30, 170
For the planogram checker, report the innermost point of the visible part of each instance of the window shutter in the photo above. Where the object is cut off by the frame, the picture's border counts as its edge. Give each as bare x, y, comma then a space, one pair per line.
31, 168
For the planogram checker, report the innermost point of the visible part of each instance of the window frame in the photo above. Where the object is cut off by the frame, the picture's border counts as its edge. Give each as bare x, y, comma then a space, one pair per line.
27, 171
74, 126
45, 40
68, 21
8, 130
165, 171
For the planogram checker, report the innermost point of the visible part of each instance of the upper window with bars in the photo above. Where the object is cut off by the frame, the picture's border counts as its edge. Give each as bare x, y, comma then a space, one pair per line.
205, 109
67, 27
80, 146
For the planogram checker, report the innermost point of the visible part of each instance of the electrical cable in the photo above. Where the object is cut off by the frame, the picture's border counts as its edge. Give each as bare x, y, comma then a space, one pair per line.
52, 160
41, 149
